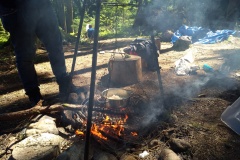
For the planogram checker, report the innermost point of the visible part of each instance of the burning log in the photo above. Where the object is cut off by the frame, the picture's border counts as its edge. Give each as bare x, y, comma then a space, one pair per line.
39, 109
104, 137
108, 127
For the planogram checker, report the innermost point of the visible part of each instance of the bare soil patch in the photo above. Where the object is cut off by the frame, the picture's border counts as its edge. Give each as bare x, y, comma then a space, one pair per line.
193, 103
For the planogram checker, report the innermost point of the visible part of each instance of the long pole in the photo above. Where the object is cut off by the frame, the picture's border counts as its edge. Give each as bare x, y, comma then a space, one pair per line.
158, 69
93, 79
78, 36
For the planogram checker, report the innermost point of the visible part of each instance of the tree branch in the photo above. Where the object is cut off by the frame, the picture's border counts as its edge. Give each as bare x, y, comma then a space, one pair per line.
39, 109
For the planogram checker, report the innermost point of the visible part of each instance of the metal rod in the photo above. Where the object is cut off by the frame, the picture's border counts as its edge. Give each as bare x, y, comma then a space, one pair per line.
158, 69
119, 4
93, 79
78, 37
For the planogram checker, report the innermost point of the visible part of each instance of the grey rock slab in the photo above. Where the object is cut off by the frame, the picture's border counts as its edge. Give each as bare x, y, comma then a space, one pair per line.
36, 147
45, 124
105, 156
75, 152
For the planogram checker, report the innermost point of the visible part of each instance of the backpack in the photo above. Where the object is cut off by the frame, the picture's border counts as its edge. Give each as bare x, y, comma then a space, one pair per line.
143, 48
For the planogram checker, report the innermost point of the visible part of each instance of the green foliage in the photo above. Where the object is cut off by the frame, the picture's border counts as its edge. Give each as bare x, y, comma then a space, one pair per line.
117, 21
76, 21
149, 16
75, 25
67, 37
4, 36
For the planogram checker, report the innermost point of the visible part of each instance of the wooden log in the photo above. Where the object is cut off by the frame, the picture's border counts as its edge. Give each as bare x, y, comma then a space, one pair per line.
125, 71
39, 109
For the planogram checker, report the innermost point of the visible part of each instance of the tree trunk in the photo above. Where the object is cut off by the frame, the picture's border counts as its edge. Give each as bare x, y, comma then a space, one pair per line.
140, 19
232, 9
79, 4
69, 15
59, 5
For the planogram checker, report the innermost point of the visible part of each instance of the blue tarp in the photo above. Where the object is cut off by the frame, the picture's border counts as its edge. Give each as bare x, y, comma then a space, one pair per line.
202, 35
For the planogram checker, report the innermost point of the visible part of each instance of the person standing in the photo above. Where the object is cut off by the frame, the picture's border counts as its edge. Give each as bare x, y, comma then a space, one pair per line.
25, 20
90, 32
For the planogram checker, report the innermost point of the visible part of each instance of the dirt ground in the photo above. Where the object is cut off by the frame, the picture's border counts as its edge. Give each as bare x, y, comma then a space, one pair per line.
195, 101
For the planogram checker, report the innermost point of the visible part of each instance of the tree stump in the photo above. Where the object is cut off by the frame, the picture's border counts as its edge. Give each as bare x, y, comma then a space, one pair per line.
125, 71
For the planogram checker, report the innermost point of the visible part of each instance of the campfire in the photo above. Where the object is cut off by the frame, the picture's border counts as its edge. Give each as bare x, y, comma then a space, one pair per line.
108, 124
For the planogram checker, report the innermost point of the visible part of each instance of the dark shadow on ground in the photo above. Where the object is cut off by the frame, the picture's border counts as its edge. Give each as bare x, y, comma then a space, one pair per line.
11, 82
89, 69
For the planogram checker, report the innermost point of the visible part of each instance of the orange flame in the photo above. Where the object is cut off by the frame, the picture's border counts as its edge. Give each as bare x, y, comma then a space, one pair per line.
113, 128
134, 133
79, 133
95, 132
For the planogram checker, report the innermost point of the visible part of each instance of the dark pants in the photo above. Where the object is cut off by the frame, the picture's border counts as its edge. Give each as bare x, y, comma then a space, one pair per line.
34, 19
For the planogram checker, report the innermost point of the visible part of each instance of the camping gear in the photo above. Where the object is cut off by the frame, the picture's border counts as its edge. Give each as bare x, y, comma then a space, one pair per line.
231, 116
145, 49
207, 68
202, 35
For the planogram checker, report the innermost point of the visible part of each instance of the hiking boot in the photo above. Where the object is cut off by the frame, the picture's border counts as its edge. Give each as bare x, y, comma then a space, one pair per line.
34, 96
65, 86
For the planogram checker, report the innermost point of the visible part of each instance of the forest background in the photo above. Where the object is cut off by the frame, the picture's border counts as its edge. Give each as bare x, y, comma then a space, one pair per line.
131, 18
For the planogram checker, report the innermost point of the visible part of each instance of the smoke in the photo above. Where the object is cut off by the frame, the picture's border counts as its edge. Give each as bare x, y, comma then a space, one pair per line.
179, 92
154, 109
165, 15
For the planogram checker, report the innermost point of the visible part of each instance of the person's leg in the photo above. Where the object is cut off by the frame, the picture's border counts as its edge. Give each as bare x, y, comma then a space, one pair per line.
49, 33
23, 40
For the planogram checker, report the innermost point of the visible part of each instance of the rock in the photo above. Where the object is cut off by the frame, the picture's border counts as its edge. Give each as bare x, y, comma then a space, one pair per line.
104, 156
45, 124
71, 119
168, 154
70, 129
179, 145
167, 35
82, 96
127, 157
73, 98
156, 142
67, 117
182, 43
36, 147
173, 118
62, 131
75, 152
